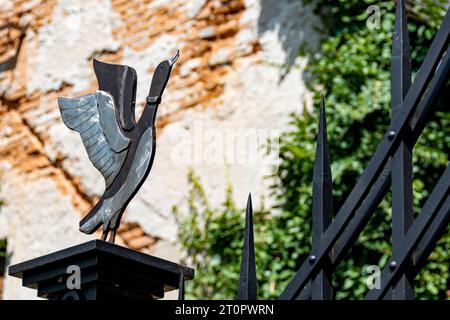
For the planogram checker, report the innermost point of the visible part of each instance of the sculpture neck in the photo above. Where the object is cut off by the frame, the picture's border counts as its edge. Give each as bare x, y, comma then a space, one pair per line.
148, 117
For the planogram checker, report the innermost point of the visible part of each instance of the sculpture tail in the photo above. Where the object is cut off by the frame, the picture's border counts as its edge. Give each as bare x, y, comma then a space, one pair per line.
102, 213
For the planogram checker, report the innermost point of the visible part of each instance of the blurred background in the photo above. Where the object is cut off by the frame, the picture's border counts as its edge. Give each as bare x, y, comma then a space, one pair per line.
250, 75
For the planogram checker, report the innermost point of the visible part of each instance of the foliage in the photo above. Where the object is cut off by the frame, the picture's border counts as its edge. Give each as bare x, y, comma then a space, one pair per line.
2, 248
213, 240
352, 71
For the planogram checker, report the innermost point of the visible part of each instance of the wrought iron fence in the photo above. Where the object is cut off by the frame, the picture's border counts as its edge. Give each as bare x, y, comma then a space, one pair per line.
413, 239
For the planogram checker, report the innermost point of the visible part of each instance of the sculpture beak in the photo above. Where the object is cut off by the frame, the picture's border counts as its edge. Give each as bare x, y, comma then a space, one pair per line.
174, 58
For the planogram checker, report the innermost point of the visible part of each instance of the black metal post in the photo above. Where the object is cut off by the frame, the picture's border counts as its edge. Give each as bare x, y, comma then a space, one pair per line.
247, 281
402, 205
322, 208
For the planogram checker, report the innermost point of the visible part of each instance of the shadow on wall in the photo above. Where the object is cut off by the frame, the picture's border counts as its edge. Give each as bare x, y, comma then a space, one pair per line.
295, 23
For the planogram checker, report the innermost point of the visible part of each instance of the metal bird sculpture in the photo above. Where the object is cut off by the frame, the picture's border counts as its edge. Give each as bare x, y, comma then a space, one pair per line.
121, 149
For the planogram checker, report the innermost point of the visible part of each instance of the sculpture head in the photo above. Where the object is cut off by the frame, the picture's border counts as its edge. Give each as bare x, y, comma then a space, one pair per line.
161, 76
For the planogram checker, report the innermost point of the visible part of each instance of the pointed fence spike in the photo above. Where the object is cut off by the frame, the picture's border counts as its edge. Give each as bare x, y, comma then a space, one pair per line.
322, 207
181, 287
247, 281
322, 180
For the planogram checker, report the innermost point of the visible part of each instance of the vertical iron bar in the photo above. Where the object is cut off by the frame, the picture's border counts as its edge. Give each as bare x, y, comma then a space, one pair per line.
401, 165
322, 208
247, 281
181, 287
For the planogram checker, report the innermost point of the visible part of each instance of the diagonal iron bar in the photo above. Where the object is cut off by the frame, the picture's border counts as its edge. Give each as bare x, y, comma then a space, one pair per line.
362, 216
430, 238
247, 281
385, 149
305, 294
437, 204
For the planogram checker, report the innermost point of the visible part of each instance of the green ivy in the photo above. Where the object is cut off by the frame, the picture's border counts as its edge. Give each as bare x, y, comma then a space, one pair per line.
212, 238
352, 71
2, 248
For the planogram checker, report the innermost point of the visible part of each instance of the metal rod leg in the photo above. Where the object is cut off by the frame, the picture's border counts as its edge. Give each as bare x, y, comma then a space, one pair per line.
112, 237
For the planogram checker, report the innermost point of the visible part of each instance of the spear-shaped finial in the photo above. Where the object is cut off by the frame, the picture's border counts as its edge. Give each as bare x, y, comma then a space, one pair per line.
181, 287
247, 280
322, 207
322, 181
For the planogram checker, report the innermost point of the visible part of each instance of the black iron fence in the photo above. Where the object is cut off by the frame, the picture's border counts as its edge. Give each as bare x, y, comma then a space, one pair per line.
413, 239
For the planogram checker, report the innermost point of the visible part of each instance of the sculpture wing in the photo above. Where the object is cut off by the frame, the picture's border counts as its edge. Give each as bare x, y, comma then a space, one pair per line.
93, 116
120, 81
